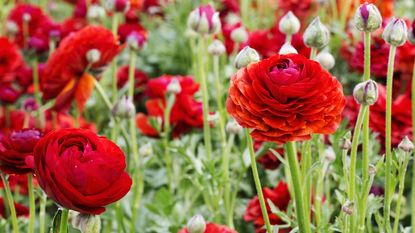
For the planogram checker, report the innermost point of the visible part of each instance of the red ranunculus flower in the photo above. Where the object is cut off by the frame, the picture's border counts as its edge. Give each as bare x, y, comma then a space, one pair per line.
301, 8
11, 60
65, 77
80, 170
21, 210
267, 159
60, 120
125, 30
401, 116
19, 183
285, 98
13, 121
16, 149
212, 228
405, 56
186, 113
279, 196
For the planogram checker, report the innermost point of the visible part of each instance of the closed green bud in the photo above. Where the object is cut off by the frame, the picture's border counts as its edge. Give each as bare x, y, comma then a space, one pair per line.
366, 93
196, 224
245, 57
326, 60
367, 18
86, 223
406, 145
289, 24
287, 48
395, 32
316, 35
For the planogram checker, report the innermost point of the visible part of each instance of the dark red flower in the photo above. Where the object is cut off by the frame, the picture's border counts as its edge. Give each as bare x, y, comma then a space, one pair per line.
127, 29
21, 210
16, 149
71, 25
267, 159
285, 98
80, 170
19, 183
10, 60
279, 196
66, 76
301, 8
13, 121
60, 120
8, 94
212, 228
186, 113
405, 57
401, 116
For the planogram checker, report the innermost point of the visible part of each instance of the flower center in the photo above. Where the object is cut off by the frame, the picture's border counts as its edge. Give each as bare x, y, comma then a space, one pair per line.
285, 72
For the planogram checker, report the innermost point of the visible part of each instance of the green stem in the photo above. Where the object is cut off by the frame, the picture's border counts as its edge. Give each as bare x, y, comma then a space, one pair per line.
388, 185
258, 183
205, 100
64, 221
119, 217
413, 164
313, 54
36, 90
32, 206
352, 174
42, 213
402, 172
166, 137
10, 201
225, 178
303, 224
306, 162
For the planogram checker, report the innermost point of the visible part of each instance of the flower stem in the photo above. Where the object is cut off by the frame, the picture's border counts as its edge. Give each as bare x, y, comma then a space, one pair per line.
303, 224
32, 206
225, 178
352, 173
413, 165
402, 172
42, 213
388, 185
166, 137
64, 221
10, 201
258, 182
313, 54
36, 90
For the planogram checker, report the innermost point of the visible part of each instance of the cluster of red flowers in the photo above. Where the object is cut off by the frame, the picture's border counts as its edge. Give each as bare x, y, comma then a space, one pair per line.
212, 228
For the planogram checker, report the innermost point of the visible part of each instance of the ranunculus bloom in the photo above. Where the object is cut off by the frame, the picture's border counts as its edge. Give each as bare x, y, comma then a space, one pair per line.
60, 120
285, 98
279, 196
125, 30
80, 170
65, 77
268, 42
19, 183
16, 149
212, 228
10, 58
14, 121
405, 56
301, 8
401, 115
21, 210
186, 113
267, 159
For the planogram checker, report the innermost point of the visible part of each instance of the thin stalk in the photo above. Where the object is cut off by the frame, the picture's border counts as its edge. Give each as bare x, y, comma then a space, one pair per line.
119, 217
388, 185
258, 183
303, 224
413, 164
313, 54
402, 172
114, 87
36, 90
64, 221
227, 184
32, 206
10, 203
42, 213
306, 162
166, 137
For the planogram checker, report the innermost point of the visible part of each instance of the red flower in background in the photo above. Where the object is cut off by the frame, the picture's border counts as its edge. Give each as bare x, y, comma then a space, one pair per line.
186, 113
68, 161
268, 42
301, 8
10, 60
19, 183
16, 149
267, 159
212, 228
127, 29
21, 210
13, 121
66, 77
285, 98
279, 196
401, 116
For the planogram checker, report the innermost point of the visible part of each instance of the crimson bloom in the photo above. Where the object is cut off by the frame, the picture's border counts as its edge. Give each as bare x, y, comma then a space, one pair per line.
21, 210
279, 196
19, 183
186, 113
212, 228
11, 59
16, 150
285, 98
69, 73
80, 170
127, 29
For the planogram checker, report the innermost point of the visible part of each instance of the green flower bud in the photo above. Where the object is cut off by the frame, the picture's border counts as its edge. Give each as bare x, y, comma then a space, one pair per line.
239, 35
287, 48
326, 60
196, 224
245, 57
366, 93
216, 48
406, 145
395, 32
367, 18
316, 35
289, 24
86, 223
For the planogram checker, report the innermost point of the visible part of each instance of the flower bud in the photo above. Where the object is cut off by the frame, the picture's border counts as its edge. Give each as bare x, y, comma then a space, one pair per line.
366, 93
95, 13
117, 5
367, 18
239, 35
136, 40
145, 150
124, 108
233, 127
216, 48
204, 20
196, 224
345, 143
406, 145
174, 87
93, 55
395, 32
38, 45
372, 170
326, 60
348, 208
329, 154
316, 35
289, 24
86, 223
245, 57
26, 17
287, 48
11, 28
30, 105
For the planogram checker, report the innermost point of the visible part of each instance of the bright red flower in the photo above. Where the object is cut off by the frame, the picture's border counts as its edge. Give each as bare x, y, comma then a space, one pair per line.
405, 57
71, 25
301, 8
21, 210
401, 116
285, 98
60, 120
212, 228
14, 121
125, 30
66, 76
186, 113
279, 196
19, 183
16, 149
10, 60
80, 170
